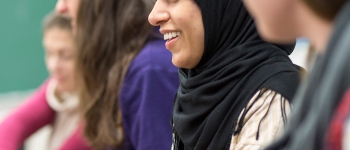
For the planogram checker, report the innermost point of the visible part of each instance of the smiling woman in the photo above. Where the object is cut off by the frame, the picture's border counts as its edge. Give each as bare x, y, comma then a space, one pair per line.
235, 88
184, 33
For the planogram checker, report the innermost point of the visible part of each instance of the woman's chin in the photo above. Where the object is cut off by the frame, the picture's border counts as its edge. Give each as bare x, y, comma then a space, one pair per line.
61, 88
181, 63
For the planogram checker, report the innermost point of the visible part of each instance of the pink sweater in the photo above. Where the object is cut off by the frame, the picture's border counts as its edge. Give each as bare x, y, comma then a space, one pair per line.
30, 116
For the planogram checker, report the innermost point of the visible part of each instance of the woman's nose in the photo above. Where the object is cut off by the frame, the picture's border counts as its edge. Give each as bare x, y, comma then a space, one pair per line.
53, 64
158, 14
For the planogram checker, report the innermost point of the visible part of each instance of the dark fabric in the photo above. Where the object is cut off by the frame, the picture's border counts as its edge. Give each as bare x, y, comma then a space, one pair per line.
236, 64
318, 97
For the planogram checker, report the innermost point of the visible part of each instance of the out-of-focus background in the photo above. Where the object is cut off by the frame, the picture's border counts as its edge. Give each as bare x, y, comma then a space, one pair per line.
21, 54
22, 67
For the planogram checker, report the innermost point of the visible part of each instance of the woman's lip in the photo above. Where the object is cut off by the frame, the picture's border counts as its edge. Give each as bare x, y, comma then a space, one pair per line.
170, 42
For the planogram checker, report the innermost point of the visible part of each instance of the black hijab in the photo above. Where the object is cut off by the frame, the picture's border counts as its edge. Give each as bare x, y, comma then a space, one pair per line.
317, 99
235, 65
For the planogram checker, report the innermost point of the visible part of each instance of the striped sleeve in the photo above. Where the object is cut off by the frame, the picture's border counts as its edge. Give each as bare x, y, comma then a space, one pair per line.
266, 114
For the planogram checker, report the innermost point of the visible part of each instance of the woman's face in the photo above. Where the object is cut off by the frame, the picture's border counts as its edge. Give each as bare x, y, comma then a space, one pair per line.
181, 24
274, 18
69, 8
60, 58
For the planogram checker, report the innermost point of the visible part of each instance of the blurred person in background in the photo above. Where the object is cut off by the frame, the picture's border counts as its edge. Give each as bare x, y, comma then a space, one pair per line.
127, 78
235, 88
321, 116
56, 101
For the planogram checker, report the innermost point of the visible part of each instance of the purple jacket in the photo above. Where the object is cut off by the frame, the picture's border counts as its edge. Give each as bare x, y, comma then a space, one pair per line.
147, 98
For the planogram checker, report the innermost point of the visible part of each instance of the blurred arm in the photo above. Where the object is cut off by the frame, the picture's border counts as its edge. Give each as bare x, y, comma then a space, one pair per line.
26, 119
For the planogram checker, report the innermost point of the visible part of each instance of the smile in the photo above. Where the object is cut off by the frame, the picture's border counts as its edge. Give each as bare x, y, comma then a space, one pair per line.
171, 35
171, 38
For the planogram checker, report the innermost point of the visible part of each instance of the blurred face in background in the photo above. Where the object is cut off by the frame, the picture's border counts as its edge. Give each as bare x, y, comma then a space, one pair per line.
69, 8
60, 58
181, 24
275, 19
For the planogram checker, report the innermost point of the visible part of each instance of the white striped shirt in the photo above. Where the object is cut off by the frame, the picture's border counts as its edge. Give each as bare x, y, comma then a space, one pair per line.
270, 111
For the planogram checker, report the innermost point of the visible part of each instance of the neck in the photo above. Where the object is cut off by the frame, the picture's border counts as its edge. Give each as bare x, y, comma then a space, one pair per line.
62, 95
317, 29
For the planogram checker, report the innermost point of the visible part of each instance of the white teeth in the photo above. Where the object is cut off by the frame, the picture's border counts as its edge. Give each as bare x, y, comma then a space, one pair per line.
170, 35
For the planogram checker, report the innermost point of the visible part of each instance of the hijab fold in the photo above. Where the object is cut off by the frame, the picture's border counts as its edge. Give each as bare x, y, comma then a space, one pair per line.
235, 65
318, 97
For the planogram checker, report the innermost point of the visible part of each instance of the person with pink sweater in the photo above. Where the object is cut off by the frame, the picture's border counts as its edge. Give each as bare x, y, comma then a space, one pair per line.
56, 101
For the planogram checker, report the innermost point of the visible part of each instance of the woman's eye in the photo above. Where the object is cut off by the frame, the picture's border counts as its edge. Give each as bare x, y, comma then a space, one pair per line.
67, 56
172, 1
